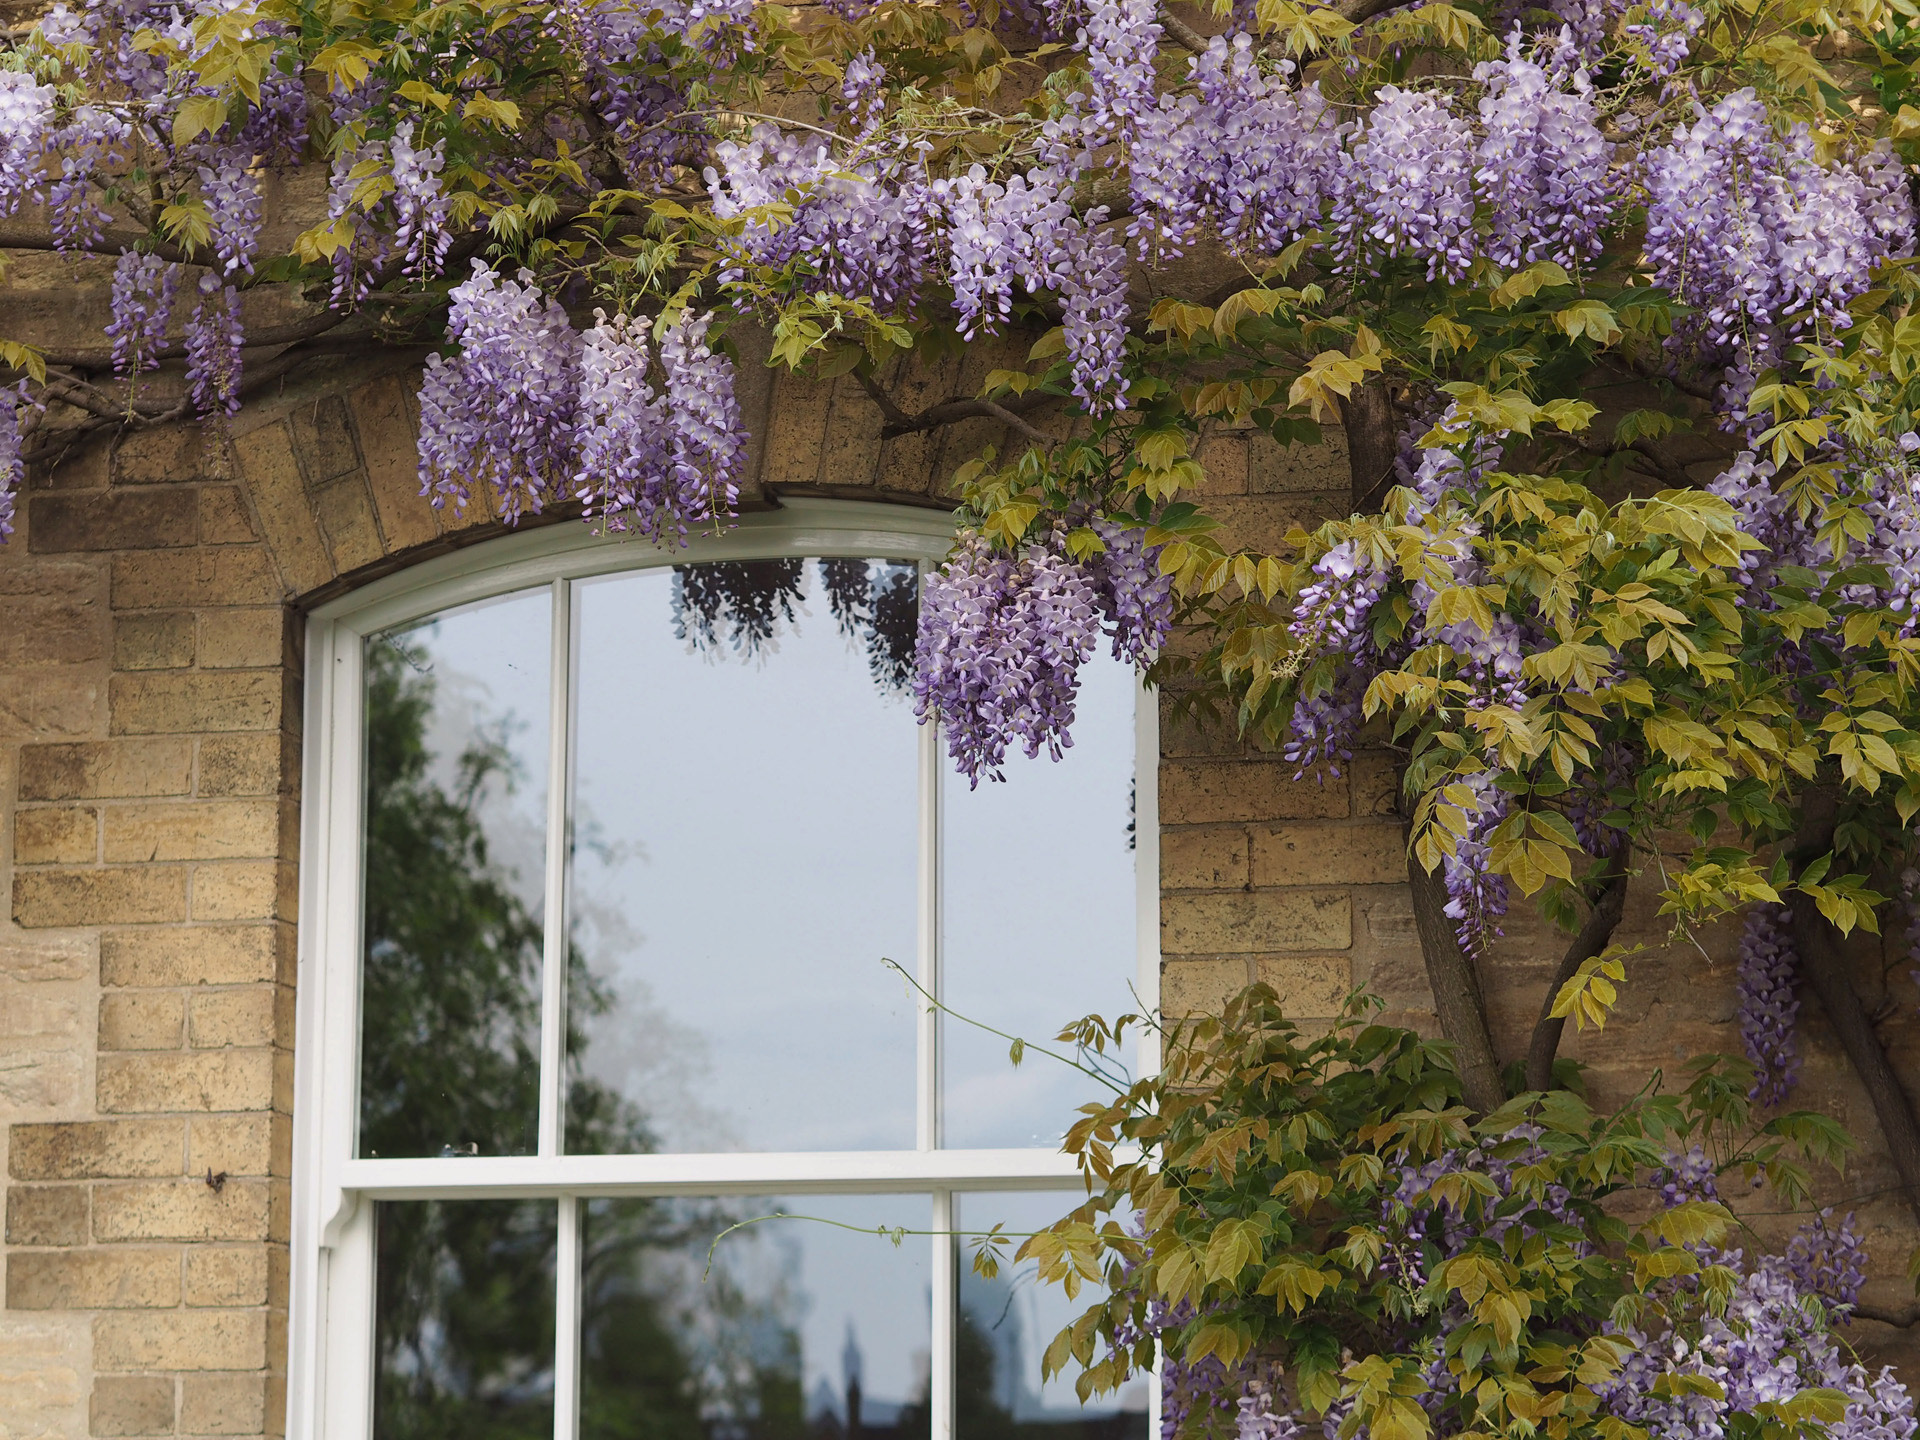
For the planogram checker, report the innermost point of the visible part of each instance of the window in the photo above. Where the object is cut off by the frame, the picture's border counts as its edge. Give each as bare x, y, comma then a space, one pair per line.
604, 849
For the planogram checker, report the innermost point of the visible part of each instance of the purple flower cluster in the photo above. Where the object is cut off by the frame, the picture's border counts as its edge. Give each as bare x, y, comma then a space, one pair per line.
13, 468
1747, 226
1120, 39
1003, 636
1543, 167
26, 112
1333, 614
1829, 1260
232, 198
1667, 33
143, 288
91, 140
1768, 1006
214, 339
420, 204
1476, 896
1407, 187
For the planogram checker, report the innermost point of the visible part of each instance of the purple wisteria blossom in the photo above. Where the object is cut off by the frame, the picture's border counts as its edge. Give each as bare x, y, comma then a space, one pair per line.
420, 204
1768, 1006
1543, 167
26, 112
13, 468
214, 338
1407, 188
232, 198
143, 287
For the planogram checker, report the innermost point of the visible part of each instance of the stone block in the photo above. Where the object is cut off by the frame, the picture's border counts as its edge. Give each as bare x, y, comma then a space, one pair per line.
162, 641
346, 519
44, 704
225, 518
245, 890
1212, 857
243, 638
120, 1278
36, 959
142, 1020
223, 1404
134, 520
239, 1144
42, 1361
797, 431
227, 1274
388, 447
125, 1405
1375, 779
281, 506
233, 765
210, 575
192, 830
97, 1150
183, 1210
47, 1214
1341, 854
68, 835
1310, 987
70, 630
1277, 468
256, 1015
1201, 987
164, 455
1243, 923
1198, 792
165, 1081
323, 437
29, 1012
185, 704
130, 895
196, 955
181, 1340
106, 769
39, 1078
1224, 459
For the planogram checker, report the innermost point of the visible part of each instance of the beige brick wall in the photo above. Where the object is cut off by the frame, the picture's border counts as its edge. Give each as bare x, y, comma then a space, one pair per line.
149, 766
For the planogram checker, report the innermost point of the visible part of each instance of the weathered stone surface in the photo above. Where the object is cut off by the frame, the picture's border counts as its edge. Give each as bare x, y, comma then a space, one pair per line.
106, 769
126, 1405
127, 895
116, 1278
1249, 923
97, 1149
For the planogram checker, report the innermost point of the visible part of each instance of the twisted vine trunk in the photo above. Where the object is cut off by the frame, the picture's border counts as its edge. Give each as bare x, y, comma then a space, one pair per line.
1456, 991
1593, 938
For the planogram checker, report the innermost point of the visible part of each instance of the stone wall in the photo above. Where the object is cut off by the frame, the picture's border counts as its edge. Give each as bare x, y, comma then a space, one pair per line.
149, 769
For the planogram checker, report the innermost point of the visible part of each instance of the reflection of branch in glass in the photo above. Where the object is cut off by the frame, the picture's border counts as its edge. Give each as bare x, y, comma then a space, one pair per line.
747, 598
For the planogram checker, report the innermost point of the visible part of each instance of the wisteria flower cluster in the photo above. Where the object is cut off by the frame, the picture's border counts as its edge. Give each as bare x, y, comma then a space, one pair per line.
532, 409
1768, 1005
1003, 636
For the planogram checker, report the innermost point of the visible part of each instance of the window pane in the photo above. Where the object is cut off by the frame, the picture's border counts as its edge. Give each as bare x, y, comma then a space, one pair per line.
455, 871
744, 855
1005, 1326
463, 1325
1039, 919
800, 1331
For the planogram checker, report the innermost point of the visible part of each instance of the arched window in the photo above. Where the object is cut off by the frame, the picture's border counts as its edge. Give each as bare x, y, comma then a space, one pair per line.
606, 850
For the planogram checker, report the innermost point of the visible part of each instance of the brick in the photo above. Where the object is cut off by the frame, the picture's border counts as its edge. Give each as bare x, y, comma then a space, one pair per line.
227, 1275
1262, 522
1214, 858
161, 1081
1310, 987
323, 436
1375, 775
1215, 791
1274, 467
153, 642
218, 575
1329, 855
36, 959
1224, 459
26, 1012
239, 1144
60, 524
193, 830
223, 1404
225, 518
181, 1340
196, 955
185, 704
39, 1079
247, 638
131, 1405
1242, 923
142, 1020
47, 1215
1200, 987
161, 456
64, 836
69, 631
798, 428
388, 445
279, 492
187, 1209
245, 890
106, 769
97, 1150
247, 764
245, 1017
44, 704
116, 1279
346, 519
134, 895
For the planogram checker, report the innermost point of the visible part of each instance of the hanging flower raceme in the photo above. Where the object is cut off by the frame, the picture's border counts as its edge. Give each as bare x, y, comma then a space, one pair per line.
26, 111
1407, 189
232, 197
420, 204
143, 287
1120, 39
13, 466
1768, 1005
503, 411
709, 437
1003, 636
214, 338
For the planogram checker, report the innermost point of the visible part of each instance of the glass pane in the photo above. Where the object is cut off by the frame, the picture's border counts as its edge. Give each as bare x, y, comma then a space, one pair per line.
744, 855
1005, 1326
800, 1331
463, 1320
455, 871
1038, 906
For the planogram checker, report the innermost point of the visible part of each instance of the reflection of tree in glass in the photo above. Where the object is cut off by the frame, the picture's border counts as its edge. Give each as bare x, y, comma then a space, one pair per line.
744, 602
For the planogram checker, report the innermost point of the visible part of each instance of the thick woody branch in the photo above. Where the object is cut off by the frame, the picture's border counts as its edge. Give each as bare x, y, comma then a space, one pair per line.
1456, 991
899, 422
1905, 1316
1182, 32
1591, 941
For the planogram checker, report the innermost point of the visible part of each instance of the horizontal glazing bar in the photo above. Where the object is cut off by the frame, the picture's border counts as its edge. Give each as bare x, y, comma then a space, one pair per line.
873, 1172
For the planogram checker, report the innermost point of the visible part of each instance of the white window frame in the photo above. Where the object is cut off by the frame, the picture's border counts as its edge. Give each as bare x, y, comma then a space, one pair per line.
331, 1293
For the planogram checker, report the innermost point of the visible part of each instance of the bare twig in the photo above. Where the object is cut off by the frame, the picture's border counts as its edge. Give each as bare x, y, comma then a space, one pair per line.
898, 422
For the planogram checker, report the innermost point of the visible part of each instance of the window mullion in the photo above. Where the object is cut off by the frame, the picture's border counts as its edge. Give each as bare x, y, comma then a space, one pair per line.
553, 978
942, 1365
927, 1086
566, 1323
